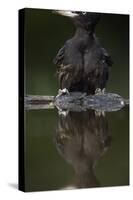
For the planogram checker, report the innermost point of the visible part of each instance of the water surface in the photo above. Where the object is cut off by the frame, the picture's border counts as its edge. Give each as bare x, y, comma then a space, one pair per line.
80, 150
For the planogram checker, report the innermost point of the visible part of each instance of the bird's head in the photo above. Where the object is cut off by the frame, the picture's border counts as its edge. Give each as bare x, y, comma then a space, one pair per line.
84, 20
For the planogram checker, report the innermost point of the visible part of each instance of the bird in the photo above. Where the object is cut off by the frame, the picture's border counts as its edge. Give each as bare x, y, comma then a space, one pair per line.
83, 64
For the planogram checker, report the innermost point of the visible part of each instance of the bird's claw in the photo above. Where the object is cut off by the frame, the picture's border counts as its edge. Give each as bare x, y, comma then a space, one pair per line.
103, 90
63, 112
98, 91
63, 91
99, 113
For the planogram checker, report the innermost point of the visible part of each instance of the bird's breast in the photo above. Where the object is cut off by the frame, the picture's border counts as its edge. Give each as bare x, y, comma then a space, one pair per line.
89, 61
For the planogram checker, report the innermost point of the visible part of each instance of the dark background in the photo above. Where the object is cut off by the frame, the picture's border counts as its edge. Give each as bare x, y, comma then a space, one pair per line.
45, 34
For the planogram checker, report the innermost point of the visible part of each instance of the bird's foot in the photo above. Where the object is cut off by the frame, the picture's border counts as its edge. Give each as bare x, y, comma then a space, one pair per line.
103, 90
63, 91
98, 91
99, 113
63, 112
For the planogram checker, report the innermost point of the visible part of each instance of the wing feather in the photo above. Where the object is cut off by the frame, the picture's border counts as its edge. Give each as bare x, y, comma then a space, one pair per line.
58, 60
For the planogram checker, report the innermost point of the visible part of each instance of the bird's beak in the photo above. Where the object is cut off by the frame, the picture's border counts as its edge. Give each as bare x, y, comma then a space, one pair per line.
66, 13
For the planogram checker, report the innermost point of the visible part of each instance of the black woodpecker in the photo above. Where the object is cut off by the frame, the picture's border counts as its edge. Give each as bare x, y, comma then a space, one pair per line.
83, 64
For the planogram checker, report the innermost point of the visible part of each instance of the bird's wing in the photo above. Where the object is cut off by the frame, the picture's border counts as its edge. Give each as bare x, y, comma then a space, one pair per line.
105, 62
60, 56
69, 63
106, 57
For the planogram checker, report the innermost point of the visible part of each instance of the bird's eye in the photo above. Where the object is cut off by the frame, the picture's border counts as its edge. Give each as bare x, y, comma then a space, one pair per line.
84, 13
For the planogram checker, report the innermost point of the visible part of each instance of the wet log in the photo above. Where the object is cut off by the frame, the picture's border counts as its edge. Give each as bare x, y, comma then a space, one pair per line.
77, 101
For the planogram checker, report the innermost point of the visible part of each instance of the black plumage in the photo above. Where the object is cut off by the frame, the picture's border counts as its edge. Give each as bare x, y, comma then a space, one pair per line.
83, 64
82, 139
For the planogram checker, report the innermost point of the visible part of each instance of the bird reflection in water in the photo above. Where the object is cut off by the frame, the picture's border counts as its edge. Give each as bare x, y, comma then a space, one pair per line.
82, 138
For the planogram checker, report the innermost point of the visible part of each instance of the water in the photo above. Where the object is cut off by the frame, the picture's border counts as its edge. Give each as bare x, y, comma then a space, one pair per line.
80, 150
